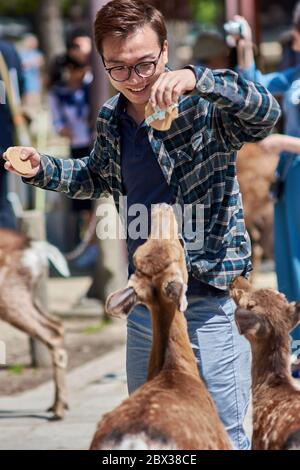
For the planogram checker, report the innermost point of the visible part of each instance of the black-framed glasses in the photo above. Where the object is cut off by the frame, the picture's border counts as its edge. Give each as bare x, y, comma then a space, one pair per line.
121, 73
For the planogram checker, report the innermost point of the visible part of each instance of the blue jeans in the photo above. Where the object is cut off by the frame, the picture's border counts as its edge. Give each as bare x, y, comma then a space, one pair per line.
223, 357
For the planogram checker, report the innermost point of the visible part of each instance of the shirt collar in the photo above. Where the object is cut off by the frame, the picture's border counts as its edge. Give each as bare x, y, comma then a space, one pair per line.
121, 106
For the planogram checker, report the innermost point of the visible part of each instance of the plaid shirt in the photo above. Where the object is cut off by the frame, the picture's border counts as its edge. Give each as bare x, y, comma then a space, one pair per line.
198, 159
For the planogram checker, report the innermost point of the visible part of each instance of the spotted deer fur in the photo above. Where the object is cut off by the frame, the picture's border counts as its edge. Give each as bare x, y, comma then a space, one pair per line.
265, 317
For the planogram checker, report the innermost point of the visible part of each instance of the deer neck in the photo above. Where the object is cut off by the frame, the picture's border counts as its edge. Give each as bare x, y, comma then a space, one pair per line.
171, 348
270, 365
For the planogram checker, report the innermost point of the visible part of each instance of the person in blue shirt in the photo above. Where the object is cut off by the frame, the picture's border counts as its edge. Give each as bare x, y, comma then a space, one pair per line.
191, 165
287, 214
32, 62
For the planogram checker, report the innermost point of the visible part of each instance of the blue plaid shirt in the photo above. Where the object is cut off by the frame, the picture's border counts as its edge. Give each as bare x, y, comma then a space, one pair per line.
198, 159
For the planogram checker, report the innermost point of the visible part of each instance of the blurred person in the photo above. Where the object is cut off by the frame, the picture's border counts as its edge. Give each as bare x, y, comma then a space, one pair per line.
7, 133
287, 190
80, 43
70, 109
289, 57
277, 143
79, 47
192, 164
32, 62
210, 49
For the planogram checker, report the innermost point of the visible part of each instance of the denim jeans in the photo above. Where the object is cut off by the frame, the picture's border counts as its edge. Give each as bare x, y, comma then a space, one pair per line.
222, 354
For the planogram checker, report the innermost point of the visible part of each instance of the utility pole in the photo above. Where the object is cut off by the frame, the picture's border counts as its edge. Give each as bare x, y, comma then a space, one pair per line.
100, 85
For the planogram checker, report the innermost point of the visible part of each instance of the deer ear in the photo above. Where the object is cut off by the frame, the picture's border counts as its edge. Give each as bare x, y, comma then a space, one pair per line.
238, 288
248, 322
119, 303
175, 290
240, 297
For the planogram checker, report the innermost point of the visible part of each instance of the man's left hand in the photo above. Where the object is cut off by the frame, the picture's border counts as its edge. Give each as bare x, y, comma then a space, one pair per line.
170, 85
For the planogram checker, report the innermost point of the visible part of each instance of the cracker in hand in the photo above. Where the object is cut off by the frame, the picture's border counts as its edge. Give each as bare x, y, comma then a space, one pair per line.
13, 155
161, 119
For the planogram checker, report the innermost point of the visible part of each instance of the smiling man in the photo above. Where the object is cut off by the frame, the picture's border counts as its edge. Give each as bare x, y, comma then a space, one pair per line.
192, 164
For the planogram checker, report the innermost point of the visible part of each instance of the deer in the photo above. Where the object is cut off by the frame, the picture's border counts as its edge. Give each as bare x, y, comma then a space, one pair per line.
265, 317
22, 261
255, 173
173, 409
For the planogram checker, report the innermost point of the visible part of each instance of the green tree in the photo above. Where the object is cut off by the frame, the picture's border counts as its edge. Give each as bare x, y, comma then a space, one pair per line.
208, 11
29, 7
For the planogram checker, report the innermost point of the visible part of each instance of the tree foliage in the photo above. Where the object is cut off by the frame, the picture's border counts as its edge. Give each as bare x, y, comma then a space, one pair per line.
29, 7
208, 11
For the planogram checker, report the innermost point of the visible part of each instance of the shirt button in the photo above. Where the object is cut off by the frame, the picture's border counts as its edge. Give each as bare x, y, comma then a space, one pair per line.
203, 88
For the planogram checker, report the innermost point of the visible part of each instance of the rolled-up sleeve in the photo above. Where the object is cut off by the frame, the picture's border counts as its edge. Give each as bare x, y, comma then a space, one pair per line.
77, 178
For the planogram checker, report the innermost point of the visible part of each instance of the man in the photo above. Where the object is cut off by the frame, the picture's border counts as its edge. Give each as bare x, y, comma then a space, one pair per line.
192, 163
13, 62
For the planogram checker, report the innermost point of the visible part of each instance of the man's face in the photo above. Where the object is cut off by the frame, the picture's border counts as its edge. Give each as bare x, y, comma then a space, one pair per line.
296, 40
140, 46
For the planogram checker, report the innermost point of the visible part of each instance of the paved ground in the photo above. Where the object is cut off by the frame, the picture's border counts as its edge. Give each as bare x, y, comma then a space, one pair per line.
94, 389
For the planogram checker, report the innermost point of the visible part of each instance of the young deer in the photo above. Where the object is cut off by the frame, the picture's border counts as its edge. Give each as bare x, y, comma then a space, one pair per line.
173, 409
255, 174
265, 318
21, 263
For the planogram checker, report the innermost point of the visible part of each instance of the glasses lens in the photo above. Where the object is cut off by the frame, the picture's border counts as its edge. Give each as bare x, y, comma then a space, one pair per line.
145, 69
119, 74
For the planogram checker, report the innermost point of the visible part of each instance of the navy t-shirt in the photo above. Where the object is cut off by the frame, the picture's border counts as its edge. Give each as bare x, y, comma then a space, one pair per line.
143, 180
144, 183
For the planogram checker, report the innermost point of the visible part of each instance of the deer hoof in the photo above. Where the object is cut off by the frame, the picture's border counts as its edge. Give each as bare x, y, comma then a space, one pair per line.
58, 409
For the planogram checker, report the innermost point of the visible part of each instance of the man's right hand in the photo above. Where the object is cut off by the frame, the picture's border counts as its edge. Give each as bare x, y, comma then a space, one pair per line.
27, 153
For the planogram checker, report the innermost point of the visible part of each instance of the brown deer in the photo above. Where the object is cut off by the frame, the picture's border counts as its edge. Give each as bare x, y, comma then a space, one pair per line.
265, 317
21, 263
255, 172
173, 409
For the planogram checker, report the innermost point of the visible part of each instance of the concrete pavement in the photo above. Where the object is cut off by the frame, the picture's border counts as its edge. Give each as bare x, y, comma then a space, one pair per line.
94, 388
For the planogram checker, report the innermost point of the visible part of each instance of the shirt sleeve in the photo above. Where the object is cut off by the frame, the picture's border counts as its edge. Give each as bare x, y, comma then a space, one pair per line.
239, 110
78, 178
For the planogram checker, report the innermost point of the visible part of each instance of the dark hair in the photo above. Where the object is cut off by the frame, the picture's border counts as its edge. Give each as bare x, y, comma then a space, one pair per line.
76, 33
122, 17
69, 61
296, 17
58, 65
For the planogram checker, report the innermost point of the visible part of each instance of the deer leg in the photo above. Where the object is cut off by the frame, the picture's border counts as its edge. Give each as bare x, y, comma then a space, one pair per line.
18, 310
59, 357
50, 320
